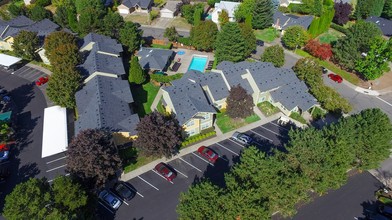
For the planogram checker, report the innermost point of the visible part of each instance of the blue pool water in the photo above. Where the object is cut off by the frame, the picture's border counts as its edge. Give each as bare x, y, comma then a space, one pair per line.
198, 63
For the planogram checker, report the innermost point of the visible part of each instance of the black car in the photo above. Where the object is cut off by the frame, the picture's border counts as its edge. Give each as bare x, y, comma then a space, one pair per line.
259, 43
124, 191
325, 71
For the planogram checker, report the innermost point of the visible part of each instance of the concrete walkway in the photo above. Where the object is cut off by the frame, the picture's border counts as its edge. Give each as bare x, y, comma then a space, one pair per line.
192, 148
156, 100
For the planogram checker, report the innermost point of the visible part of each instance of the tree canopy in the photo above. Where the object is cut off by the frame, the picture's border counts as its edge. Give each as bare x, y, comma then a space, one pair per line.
230, 44
295, 36
342, 12
239, 103
203, 35
131, 36
93, 157
387, 10
244, 9
136, 73
25, 44
223, 18
171, 33
62, 86
158, 134
262, 16
111, 24
61, 50
249, 37
38, 13
274, 54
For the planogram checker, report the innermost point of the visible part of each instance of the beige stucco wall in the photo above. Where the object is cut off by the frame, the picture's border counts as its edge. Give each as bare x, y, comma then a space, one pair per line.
123, 137
196, 125
5, 45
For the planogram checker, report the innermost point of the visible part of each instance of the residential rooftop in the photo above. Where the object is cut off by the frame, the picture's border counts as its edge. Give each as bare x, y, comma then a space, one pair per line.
384, 24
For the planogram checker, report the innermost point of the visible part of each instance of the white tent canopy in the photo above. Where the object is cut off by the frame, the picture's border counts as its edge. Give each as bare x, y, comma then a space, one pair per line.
7, 60
55, 136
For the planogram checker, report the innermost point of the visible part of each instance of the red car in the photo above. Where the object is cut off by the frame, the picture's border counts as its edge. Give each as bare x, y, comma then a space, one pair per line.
41, 81
335, 77
208, 153
165, 171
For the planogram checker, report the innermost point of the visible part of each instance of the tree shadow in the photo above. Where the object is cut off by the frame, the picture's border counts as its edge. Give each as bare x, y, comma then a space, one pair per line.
28, 171
22, 96
25, 127
369, 210
216, 174
327, 120
140, 96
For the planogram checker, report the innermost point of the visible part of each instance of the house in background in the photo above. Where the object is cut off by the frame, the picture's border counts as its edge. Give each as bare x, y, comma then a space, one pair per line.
154, 59
9, 29
196, 97
286, 3
229, 7
171, 9
283, 21
384, 24
129, 6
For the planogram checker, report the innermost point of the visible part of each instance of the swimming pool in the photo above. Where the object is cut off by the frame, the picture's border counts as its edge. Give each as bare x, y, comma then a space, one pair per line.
198, 63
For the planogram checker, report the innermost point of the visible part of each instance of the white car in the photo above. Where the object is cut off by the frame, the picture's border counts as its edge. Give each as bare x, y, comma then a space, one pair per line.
241, 137
110, 199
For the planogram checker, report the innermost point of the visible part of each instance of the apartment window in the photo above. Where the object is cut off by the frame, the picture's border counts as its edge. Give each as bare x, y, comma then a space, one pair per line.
191, 123
191, 132
205, 125
207, 116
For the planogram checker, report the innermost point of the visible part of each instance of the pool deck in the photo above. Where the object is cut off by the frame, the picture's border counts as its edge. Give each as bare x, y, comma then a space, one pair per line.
186, 59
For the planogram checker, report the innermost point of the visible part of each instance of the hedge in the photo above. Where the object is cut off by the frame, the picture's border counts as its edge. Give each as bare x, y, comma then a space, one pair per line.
340, 28
197, 138
185, 40
164, 78
299, 8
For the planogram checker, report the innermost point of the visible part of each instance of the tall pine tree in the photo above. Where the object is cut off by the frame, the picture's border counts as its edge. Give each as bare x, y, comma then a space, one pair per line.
262, 14
136, 73
230, 43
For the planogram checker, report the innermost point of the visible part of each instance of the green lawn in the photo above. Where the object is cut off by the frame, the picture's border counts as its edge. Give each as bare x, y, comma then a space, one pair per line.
267, 108
226, 124
344, 74
144, 96
160, 107
330, 36
298, 117
267, 35
132, 160
167, 46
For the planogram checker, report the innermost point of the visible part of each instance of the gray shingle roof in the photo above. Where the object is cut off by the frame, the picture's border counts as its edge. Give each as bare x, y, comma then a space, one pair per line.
287, 20
14, 26
141, 3
384, 24
104, 103
104, 43
97, 62
188, 98
290, 91
153, 58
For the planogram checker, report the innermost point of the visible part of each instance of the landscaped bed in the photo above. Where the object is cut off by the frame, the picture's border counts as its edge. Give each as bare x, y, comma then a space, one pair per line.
297, 117
330, 36
132, 160
267, 35
267, 108
226, 124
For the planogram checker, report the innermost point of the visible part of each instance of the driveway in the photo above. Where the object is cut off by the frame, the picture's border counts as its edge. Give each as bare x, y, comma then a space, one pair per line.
157, 198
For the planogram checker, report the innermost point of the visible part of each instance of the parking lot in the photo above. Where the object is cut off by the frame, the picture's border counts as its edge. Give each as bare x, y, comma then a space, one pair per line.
157, 198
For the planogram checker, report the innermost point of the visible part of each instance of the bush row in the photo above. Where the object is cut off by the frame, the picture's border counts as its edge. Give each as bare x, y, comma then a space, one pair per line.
164, 78
197, 138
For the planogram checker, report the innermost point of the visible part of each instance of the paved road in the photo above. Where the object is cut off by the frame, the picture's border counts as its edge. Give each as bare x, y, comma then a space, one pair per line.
158, 198
157, 33
26, 161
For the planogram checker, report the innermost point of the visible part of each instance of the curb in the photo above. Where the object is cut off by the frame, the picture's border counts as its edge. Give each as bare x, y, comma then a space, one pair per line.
192, 148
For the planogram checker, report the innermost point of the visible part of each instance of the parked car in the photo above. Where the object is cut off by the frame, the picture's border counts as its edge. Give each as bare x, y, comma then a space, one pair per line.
110, 199
335, 77
165, 171
325, 70
385, 210
208, 153
42, 80
4, 152
123, 191
259, 43
241, 137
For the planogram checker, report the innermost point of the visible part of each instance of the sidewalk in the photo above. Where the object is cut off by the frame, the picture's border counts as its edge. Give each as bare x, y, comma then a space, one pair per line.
192, 148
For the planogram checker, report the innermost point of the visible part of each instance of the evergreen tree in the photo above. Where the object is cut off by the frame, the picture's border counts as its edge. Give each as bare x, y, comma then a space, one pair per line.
61, 16
38, 13
239, 103
249, 37
318, 7
197, 16
136, 73
130, 36
387, 10
262, 14
171, 33
295, 37
230, 44
203, 35
274, 54
112, 23
63, 85
25, 44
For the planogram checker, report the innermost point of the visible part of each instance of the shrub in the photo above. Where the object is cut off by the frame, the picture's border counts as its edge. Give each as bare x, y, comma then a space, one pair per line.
321, 51
165, 79
196, 138
185, 41
339, 28
154, 14
299, 8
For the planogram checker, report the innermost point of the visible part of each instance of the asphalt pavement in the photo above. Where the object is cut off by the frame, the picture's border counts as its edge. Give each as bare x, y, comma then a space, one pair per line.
157, 198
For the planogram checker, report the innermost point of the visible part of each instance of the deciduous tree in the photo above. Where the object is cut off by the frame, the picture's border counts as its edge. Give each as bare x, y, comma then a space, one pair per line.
239, 103
90, 20
321, 51
387, 11
171, 33
295, 36
136, 73
62, 86
203, 35
61, 50
230, 44
244, 9
131, 36
93, 157
158, 134
25, 44
112, 23
262, 14
249, 37
61, 16
342, 12
274, 54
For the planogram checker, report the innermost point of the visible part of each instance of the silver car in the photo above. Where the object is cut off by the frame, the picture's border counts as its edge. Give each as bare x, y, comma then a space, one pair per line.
241, 137
110, 199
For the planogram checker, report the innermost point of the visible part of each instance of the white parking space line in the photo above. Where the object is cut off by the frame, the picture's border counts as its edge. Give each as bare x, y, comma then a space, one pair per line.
58, 177
271, 131
34, 77
180, 172
56, 168
148, 183
111, 211
384, 101
227, 149
236, 143
261, 135
19, 73
273, 123
137, 192
56, 160
162, 176
190, 164
123, 201
202, 159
